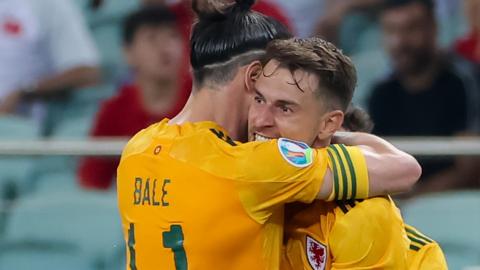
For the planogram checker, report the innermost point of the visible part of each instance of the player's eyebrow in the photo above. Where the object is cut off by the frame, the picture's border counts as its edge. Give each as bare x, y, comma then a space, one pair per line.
278, 102
257, 92
286, 102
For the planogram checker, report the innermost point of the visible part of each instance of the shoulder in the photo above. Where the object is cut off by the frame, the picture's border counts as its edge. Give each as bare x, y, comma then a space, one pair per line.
376, 216
377, 206
370, 230
140, 141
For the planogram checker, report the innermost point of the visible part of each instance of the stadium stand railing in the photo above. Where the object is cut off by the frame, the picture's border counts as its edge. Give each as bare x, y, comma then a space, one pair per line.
421, 146
58, 225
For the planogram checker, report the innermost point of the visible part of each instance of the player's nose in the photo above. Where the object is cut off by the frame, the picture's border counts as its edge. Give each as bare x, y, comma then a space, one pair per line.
264, 117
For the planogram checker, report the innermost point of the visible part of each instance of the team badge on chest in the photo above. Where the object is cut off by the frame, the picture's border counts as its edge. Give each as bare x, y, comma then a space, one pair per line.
316, 254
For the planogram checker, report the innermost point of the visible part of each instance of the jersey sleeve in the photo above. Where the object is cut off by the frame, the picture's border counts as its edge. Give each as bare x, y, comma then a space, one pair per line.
370, 235
269, 174
350, 174
424, 253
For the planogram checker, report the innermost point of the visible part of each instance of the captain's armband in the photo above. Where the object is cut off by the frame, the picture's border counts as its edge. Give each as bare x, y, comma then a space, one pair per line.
350, 174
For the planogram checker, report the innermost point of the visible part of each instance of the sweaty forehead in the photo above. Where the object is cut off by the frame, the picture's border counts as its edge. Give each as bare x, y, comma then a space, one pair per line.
302, 80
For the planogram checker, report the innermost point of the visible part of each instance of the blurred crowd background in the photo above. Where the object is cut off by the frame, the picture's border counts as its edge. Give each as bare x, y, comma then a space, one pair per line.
75, 69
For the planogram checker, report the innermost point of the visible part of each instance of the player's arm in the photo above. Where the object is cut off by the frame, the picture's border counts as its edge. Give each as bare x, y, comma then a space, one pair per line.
390, 170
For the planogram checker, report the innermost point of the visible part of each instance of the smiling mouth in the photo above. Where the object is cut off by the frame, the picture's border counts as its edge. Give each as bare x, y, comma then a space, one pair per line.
260, 138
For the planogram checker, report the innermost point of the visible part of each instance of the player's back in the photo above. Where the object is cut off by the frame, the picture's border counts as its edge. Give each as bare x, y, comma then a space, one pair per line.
186, 204
355, 234
169, 206
361, 234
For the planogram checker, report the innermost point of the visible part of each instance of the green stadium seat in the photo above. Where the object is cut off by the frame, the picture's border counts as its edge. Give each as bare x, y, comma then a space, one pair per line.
359, 32
15, 171
54, 181
106, 25
29, 256
371, 66
59, 228
453, 220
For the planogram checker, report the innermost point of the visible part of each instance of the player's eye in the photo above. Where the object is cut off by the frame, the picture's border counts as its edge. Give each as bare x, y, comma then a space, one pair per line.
286, 109
259, 100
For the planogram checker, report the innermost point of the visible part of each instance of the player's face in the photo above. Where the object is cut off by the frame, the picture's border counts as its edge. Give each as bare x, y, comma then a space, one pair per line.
281, 109
156, 52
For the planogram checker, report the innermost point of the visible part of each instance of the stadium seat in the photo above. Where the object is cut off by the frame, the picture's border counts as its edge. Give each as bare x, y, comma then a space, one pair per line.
453, 220
15, 171
71, 230
359, 32
53, 182
18, 128
105, 24
371, 67
452, 22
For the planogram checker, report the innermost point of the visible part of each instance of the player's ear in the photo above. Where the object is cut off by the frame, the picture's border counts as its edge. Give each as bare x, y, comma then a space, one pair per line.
331, 123
253, 72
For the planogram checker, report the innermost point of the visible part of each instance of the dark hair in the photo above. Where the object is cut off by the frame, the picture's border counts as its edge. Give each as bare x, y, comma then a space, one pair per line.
428, 4
147, 16
335, 71
225, 32
357, 119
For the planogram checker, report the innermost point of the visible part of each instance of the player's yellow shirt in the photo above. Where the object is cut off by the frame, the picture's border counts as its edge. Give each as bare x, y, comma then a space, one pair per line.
368, 234
191, 198
423, 252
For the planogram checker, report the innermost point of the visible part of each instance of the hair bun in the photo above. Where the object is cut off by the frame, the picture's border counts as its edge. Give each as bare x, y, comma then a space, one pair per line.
211, 9
217, 10
244, 5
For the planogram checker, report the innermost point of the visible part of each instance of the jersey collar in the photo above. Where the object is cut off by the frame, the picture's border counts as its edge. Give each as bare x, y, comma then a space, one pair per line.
188, 127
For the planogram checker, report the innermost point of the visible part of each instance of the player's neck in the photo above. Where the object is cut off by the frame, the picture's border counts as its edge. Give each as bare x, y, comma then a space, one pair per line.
213, 105
321, 143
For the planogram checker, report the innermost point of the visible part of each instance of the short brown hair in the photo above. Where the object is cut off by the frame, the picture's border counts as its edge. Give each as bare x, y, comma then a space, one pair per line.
358, 120
336, 72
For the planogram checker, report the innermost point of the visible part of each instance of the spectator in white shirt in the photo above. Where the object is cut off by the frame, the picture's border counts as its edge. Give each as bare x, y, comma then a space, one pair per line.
45, 47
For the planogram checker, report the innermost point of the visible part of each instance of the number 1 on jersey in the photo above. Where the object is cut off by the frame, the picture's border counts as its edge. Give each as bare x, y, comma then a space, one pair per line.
173, 239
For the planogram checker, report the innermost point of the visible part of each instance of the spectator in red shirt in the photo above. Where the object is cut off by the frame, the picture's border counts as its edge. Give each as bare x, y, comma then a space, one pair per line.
469, 45
154, 49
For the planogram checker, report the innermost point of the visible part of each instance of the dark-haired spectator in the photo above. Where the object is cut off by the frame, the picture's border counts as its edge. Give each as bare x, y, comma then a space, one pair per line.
154, 50
426, 95
45, 48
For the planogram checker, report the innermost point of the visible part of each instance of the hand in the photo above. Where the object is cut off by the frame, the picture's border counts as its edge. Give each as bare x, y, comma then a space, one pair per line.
10, 102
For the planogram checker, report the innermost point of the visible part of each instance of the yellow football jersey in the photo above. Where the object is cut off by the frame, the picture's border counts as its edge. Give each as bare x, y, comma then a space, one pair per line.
424, 253
368, 234
192, 198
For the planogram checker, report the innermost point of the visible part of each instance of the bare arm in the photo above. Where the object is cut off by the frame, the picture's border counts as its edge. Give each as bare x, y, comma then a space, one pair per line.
73, 78
462, 174
390, 170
